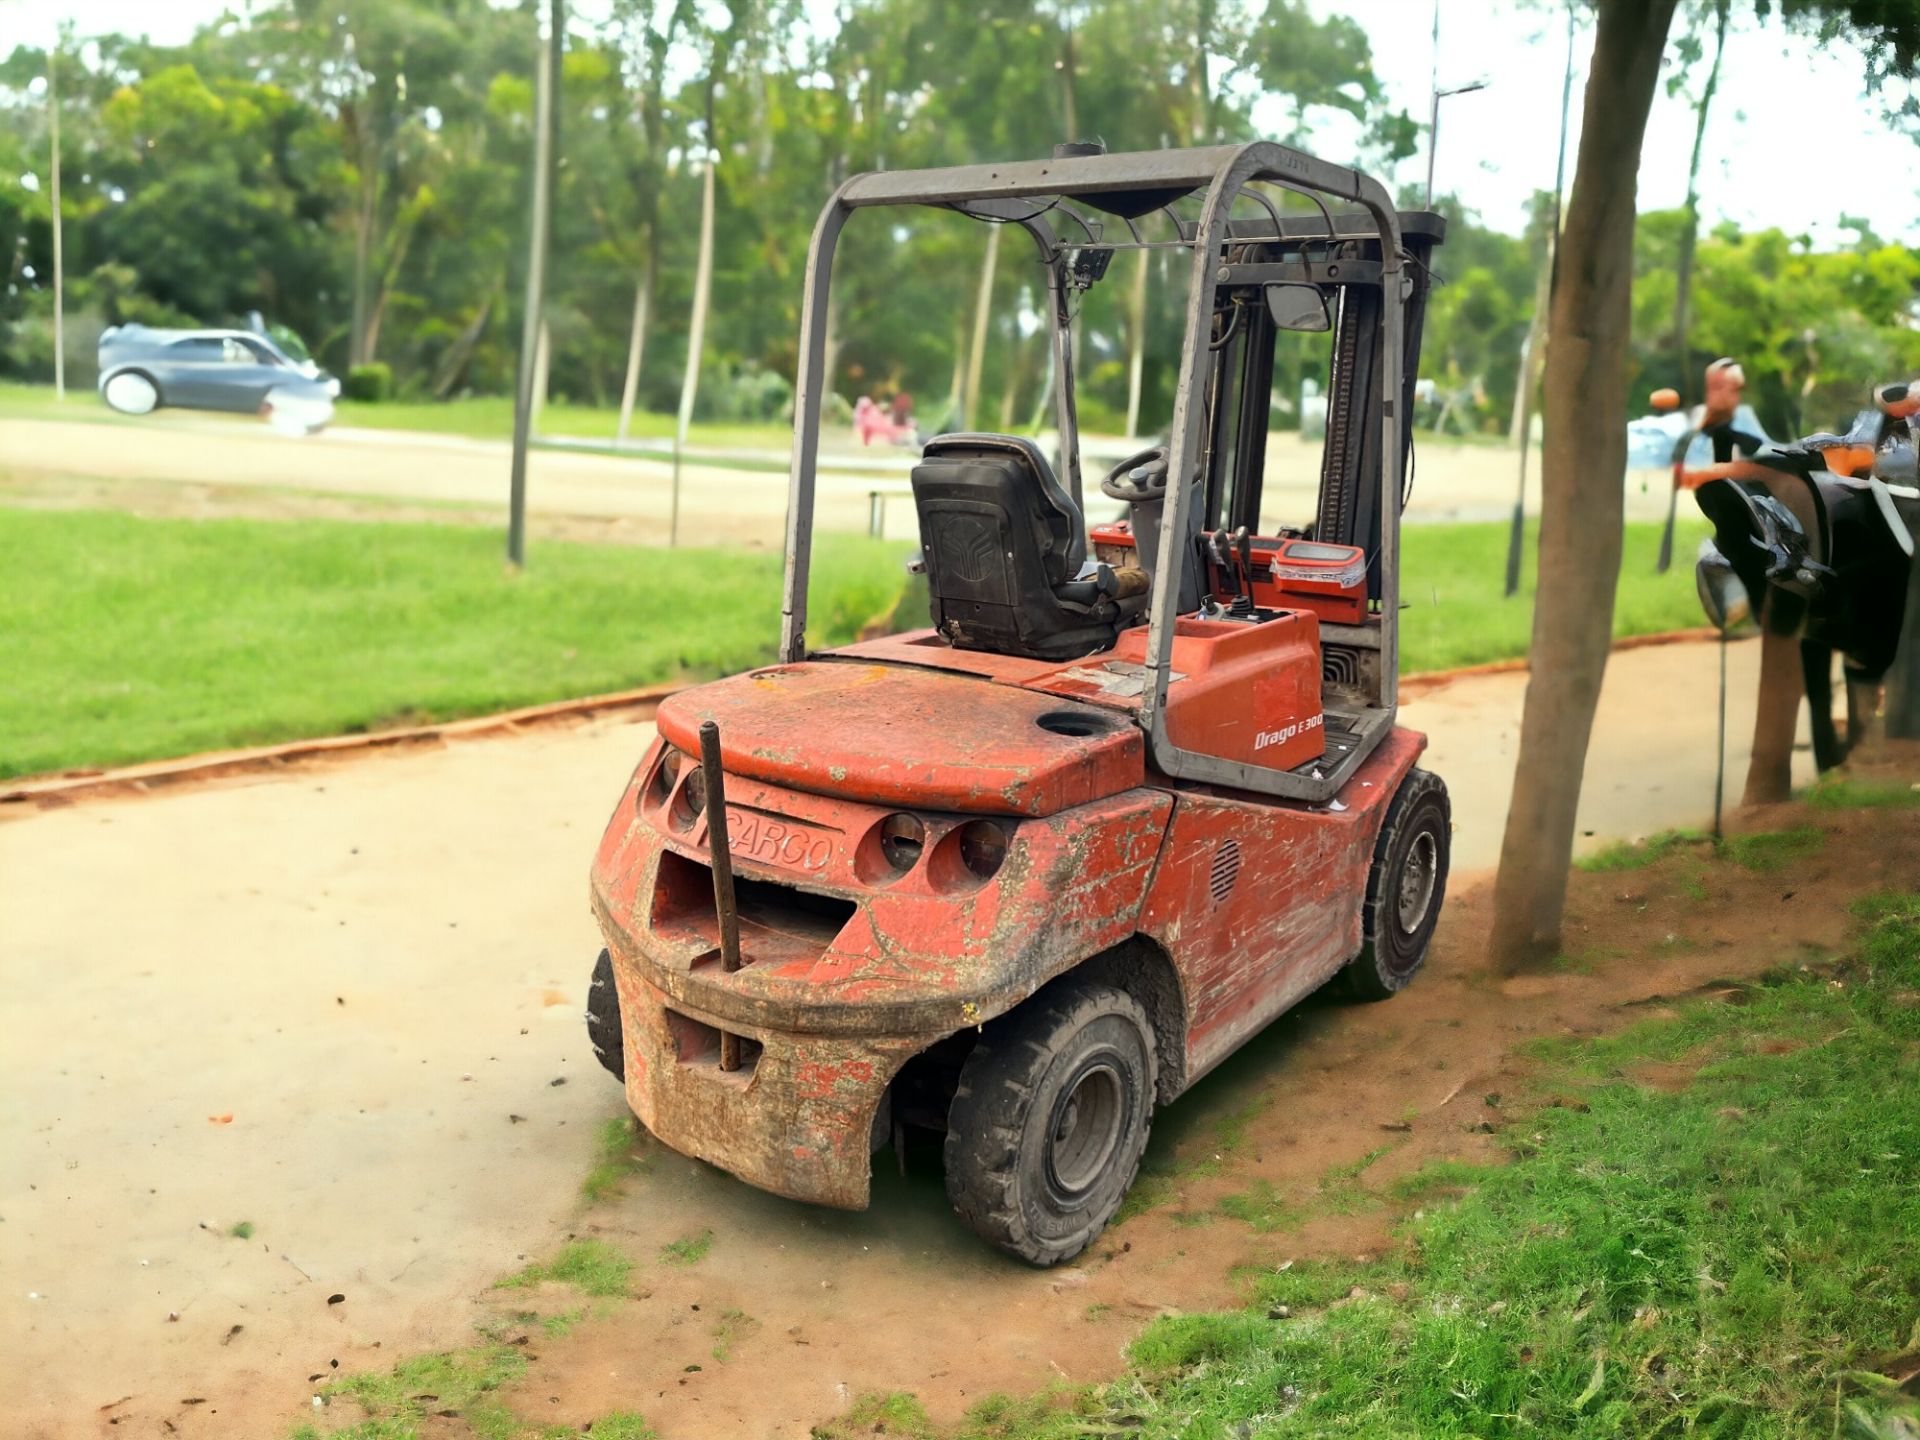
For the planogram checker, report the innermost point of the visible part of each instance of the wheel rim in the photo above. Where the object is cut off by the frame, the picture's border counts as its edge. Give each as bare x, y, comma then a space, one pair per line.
1085, 1128
132, 393
1417, 878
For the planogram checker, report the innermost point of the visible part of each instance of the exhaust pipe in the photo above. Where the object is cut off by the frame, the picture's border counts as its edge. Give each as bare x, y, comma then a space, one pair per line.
721, 858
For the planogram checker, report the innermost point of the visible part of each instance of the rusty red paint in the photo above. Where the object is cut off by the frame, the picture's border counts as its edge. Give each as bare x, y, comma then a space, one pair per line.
851, 968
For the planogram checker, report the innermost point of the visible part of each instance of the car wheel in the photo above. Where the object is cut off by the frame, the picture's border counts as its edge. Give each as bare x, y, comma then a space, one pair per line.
603, 1019
1050, 1119
132, 393
1405, 889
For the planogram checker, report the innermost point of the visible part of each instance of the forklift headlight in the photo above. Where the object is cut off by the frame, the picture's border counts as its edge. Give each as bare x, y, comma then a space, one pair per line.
902, 838
660, 786
983, 847
693, 800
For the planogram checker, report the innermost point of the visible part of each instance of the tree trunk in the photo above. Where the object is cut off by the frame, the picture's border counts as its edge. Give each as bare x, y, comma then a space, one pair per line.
459, 355
363, 259
1683, 270
982, 316
702, 289
1137, 362
1582, 468
1775, 719
637, 341
59, 226
1533, 353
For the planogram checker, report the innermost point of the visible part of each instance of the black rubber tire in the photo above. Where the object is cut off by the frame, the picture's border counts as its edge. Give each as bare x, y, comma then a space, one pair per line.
1020, 1094
603, 1019
1418, 832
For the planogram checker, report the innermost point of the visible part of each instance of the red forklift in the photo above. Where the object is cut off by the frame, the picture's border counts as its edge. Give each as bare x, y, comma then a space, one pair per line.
1026, 875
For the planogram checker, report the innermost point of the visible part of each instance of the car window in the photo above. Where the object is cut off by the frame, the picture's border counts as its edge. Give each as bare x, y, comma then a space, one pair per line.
197, 347
238, 352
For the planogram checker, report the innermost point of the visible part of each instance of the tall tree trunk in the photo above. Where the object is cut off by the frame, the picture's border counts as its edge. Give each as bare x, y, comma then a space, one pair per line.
1683, 271
453, 365
1582, 469
1137, 324
982, 315
637, 340
1069, 102
59, 227
364, 223
1533, 353
1200, 83
702, 291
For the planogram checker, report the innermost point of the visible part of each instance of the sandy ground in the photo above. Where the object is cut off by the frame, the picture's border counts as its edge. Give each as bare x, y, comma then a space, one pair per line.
342, 1004
619, 497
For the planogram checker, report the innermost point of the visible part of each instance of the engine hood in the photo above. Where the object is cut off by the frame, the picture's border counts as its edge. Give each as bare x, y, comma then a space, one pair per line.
911, 737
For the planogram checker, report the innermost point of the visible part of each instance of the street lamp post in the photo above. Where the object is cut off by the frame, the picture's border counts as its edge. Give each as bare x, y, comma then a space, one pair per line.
1433, 126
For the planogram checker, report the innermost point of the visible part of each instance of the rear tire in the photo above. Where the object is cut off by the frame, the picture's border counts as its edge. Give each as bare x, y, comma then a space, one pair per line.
603, 1019
1406, 887
132, 393
1050, 1119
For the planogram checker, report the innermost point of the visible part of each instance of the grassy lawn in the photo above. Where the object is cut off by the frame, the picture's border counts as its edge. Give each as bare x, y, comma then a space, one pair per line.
1453, 575
1731, 1256
125, 639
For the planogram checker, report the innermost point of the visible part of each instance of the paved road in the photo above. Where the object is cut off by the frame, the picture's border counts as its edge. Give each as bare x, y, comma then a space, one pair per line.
342, 1004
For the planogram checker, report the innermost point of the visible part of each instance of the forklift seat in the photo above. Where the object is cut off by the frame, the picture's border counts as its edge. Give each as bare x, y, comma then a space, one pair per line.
1006, 552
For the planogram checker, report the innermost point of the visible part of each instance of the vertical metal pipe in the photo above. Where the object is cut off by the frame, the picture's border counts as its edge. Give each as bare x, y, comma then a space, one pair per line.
721, 859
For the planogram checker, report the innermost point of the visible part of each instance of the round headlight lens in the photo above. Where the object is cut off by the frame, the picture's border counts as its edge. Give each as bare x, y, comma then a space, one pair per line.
902, 838
983, 847
664, 774
693, 800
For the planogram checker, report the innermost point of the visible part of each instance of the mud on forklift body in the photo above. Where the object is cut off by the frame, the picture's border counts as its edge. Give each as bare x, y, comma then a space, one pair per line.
1026, 875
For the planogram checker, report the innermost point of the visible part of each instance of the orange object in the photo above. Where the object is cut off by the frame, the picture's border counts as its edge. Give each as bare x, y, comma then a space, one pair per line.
1665, 399
220, 1119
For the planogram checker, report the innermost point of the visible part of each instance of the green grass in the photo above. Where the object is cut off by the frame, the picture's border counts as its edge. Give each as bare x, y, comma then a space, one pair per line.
1843, 792
1769, 850
616, 1156
126, 639
398, 1402
591, 1266
690, 1250
1638, 854
241, 1230
1452, 577
731, 1329
1729, 1259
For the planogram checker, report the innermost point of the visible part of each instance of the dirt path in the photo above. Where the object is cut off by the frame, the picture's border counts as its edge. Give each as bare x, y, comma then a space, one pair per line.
179, 462
336, 1004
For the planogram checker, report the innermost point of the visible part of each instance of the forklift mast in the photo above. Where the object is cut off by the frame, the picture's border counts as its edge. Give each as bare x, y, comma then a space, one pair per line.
1361, 273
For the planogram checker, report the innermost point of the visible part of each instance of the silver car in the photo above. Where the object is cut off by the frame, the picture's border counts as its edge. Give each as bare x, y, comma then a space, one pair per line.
142, 368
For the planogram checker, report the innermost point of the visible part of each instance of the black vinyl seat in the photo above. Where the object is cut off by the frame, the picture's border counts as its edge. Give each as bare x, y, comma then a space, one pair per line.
1006, 550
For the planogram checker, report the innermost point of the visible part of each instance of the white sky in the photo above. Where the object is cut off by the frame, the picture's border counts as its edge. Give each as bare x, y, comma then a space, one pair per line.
1793, 139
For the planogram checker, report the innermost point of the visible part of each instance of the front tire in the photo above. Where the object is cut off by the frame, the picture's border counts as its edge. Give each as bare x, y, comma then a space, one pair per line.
1050, 1119
603, 1019
132, 393
1406, 887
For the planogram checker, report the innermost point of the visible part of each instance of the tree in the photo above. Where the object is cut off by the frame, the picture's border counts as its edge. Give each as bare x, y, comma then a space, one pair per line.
1585, 451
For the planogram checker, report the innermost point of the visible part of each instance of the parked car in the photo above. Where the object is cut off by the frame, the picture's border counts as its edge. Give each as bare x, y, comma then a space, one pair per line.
143, 368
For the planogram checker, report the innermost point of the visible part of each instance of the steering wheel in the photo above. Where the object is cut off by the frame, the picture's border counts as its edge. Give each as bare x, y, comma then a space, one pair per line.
1138, 477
